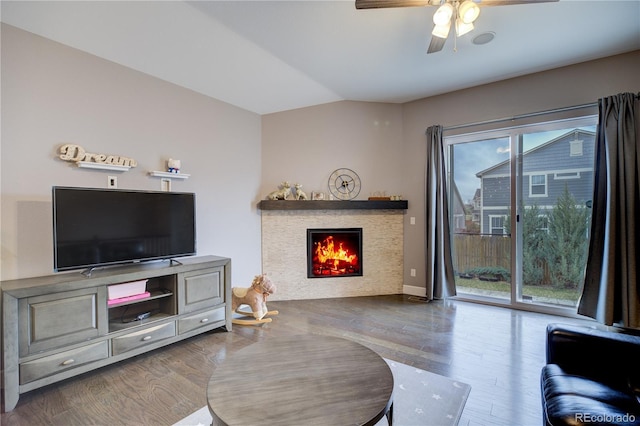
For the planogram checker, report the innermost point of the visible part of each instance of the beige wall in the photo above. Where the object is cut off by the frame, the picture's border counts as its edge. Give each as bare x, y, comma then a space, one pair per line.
53, 94
305, 145
385, 143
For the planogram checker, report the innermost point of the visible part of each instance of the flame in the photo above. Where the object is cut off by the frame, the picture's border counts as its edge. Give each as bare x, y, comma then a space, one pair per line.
327, 253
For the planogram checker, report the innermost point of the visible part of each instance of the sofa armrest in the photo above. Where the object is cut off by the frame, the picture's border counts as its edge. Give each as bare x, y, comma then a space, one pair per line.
606, 355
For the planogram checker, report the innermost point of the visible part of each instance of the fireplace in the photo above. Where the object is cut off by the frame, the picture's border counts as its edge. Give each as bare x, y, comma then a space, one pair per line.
334, 252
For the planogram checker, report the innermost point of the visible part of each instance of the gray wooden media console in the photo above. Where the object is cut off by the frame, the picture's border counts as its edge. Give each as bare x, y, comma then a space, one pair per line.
58, 326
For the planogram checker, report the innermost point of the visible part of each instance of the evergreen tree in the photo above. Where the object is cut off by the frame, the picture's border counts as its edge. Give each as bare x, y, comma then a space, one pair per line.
534, 239
566, 248
533, 247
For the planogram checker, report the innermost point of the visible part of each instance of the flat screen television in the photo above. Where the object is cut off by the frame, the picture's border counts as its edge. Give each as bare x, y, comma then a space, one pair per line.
99, 227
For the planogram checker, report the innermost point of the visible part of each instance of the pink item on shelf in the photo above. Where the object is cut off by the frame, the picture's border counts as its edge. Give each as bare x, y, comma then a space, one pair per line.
133, 288
128, 298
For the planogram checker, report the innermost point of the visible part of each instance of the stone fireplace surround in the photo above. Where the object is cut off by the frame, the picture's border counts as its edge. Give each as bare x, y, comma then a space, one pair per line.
284, 246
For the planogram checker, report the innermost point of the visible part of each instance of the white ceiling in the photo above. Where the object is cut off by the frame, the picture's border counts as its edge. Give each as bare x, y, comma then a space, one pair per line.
268, 56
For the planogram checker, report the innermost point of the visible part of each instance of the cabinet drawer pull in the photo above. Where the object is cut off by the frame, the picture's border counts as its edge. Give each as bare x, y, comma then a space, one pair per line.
68, 362
204, 320
145, 338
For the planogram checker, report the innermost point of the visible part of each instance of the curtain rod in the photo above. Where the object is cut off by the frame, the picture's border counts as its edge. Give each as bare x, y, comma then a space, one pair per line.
518, 117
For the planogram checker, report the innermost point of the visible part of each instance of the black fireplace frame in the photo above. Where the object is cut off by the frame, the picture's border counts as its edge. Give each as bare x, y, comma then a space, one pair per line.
333, 231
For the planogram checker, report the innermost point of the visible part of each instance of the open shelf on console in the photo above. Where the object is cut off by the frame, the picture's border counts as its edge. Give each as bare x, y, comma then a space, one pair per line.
118, 325
157, 294
159, 305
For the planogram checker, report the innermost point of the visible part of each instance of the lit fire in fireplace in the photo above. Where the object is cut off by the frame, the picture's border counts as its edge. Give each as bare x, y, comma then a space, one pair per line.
328, 255
335, 253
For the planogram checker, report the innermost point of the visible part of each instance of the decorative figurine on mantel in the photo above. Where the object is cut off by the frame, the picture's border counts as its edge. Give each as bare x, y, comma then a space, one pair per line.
173, 166
256, 298
282, 193
300, 195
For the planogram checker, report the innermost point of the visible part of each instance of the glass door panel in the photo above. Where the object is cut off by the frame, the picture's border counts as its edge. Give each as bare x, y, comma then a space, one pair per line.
480, 197
555, 195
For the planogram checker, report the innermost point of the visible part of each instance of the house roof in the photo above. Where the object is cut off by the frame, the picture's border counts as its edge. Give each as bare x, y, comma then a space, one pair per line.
268, 56
575, 132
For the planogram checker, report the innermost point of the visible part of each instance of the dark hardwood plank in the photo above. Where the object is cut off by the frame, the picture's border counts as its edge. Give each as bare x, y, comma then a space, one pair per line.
498, 351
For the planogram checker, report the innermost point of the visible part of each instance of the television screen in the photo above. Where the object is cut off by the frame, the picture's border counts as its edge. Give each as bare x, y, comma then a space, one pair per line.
98, 227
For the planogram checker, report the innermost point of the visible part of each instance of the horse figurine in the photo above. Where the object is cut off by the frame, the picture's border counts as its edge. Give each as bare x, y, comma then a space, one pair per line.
256, 298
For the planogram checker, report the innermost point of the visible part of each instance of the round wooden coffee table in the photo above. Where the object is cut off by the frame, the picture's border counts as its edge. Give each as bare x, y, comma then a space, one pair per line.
301, 379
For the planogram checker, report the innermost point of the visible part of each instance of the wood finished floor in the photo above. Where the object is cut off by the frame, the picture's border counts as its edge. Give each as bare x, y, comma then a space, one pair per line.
498, 351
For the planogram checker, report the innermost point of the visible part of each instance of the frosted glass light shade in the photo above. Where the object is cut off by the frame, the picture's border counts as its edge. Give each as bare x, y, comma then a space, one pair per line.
468, 11
443, 14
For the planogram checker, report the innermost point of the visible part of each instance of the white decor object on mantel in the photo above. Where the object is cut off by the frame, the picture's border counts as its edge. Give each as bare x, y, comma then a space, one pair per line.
169, 175
281, 194
84, 159
300, 194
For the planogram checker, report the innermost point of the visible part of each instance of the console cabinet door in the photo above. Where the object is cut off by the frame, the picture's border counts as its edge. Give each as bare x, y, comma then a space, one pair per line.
59, 319
201, 289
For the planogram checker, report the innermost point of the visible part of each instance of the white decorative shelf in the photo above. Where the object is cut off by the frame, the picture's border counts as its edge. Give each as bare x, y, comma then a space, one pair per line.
102, 166
169, 175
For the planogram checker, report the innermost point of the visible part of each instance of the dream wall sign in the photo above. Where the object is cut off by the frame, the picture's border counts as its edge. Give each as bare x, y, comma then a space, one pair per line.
78, 155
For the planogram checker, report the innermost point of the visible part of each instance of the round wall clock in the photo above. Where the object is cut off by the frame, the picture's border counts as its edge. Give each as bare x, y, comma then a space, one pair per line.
344, 184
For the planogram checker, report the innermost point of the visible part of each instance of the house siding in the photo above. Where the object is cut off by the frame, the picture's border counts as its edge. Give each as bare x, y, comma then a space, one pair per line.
552, 159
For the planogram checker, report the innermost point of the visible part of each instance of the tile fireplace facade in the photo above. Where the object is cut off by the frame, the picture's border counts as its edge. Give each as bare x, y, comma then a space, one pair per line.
284, 252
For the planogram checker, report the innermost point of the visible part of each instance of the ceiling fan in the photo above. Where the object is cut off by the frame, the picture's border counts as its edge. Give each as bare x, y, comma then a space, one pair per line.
460, 13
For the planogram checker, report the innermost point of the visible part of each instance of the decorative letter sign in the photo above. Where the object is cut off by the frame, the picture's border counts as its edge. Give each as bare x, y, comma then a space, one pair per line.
77, 154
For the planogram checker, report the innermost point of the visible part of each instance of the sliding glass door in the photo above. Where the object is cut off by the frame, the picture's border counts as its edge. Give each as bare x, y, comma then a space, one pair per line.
520, 209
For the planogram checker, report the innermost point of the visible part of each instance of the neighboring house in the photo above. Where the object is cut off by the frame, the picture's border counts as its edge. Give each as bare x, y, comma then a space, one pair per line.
459, 214
546, 169
477, 206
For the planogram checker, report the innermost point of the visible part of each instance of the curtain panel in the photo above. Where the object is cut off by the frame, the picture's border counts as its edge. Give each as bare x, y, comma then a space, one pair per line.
439, 264
611, 292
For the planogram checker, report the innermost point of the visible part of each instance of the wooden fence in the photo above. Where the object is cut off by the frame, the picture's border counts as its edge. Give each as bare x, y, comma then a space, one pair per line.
473, 251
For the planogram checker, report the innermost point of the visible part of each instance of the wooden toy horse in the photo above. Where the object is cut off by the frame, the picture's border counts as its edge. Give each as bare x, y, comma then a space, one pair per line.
256, 298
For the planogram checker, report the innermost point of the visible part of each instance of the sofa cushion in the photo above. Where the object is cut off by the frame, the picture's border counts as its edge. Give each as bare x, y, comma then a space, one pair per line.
573, 400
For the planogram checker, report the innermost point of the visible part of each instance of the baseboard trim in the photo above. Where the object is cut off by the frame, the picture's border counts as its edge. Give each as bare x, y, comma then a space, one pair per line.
414, 291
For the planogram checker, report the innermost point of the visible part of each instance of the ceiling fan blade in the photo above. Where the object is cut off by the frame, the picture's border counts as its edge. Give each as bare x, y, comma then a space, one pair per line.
380, 4
511, 2
436, 44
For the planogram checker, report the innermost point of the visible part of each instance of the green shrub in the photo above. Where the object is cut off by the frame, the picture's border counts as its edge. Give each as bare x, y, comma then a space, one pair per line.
498, 272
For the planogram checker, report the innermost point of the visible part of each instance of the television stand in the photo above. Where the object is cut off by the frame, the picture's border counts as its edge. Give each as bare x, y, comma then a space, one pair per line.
61, 325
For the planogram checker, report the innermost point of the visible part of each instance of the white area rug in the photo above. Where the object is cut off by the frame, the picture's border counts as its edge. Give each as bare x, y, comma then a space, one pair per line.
421, 398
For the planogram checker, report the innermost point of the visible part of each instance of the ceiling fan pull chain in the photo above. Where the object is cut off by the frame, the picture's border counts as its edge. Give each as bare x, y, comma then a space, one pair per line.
455, 39
455, 27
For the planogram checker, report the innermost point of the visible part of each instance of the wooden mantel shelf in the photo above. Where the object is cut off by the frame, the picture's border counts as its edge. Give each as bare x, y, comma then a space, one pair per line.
333, 205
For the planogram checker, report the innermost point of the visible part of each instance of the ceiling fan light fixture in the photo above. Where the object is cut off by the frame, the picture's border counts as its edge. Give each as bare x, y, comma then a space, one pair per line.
441, 31
443, 14
462, 28
468, 11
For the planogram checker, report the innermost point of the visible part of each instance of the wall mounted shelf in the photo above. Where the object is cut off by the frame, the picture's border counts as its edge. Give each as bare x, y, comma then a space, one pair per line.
169, 175
102, 166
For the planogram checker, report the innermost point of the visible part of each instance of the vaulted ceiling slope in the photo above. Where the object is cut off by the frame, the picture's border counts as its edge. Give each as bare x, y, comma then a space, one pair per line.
270, 56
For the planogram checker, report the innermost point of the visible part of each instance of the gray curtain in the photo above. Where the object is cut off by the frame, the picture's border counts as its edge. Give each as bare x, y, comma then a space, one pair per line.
439, 264
611, 291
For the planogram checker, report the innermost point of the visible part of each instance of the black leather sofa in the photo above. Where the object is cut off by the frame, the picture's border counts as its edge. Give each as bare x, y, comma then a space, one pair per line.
591, 377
